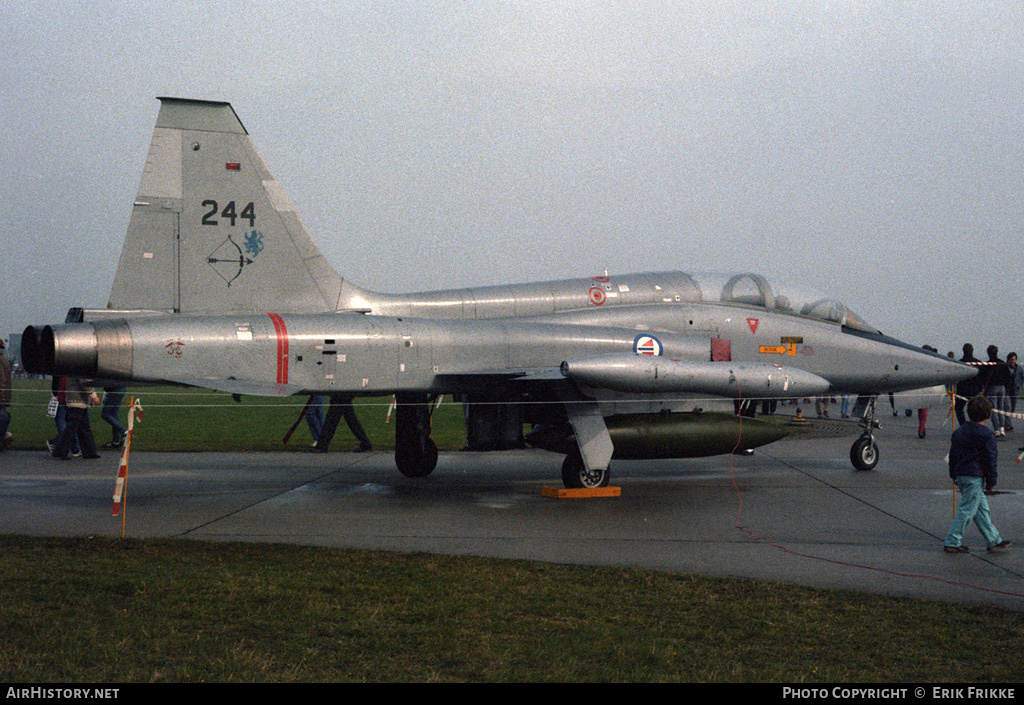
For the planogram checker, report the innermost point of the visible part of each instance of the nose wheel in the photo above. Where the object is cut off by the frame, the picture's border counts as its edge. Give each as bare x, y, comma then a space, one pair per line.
864, 451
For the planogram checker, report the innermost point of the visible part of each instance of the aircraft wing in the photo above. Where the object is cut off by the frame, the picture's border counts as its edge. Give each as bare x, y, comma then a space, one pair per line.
238, 386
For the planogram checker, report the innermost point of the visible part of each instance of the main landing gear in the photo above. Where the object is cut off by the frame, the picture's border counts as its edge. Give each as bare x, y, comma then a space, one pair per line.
864, 451
415, 452
576, 475
586, 464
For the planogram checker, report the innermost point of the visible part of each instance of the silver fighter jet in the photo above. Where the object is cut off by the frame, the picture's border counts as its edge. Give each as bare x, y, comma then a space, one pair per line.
220, 286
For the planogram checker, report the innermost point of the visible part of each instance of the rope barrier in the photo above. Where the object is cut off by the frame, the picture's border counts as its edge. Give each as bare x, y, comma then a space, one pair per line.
385, 400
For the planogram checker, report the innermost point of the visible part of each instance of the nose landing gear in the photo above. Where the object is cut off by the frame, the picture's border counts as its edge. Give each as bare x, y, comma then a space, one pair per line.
864, 451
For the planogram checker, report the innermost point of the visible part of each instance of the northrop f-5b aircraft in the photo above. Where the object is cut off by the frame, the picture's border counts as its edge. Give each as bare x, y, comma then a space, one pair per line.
220, 286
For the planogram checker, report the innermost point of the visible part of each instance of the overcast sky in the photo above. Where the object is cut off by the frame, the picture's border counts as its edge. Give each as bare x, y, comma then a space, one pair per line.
871, 150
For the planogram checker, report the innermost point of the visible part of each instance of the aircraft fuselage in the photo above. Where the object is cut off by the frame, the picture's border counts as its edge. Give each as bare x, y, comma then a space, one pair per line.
370, 355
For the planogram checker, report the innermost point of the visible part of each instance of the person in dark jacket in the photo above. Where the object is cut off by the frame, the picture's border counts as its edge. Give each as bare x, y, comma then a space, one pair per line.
972, 466
341, 406
79, 396
968, 388
1016, 384
5, 399
997, 379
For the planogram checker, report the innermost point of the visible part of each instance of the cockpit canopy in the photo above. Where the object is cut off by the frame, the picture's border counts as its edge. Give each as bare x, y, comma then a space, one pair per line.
755, 290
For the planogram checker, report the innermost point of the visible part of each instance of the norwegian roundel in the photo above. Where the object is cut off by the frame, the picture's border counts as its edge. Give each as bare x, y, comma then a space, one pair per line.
647, 345
597, 295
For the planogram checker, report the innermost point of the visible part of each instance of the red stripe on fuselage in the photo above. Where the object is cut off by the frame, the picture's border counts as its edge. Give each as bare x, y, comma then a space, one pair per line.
282, 347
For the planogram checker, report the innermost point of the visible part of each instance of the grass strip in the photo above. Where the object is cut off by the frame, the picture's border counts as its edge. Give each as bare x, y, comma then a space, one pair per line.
195, 420
140, 610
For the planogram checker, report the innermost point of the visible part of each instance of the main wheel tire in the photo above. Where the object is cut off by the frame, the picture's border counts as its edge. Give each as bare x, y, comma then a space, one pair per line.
576, 476
415, 462
864, 454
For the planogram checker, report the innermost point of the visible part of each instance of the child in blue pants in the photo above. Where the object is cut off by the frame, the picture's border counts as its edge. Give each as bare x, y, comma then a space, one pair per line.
972, 465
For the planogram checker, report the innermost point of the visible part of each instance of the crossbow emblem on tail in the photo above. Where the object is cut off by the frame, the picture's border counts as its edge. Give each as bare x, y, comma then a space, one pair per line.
229, 259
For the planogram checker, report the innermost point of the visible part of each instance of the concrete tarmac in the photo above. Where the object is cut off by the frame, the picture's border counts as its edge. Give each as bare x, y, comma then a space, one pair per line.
796, 511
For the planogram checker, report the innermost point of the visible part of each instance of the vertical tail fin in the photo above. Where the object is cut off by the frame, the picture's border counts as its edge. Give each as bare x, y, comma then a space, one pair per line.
212, 231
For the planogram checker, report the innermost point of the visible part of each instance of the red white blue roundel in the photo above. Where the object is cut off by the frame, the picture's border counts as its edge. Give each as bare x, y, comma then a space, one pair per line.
647, 345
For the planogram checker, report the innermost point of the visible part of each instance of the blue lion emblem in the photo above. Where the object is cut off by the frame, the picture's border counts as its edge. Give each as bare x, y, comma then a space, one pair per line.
254, 243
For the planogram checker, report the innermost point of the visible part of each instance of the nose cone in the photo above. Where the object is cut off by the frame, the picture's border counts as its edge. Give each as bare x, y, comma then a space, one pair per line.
876, 363
958, 371
914, 368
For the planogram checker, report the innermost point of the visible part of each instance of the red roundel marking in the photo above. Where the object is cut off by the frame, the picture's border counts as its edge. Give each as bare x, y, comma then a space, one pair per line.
597, 295
601, 280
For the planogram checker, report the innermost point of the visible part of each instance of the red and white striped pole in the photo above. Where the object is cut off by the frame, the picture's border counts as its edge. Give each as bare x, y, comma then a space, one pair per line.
120, 491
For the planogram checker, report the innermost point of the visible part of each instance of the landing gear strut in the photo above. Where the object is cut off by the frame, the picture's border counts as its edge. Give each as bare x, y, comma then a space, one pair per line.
415, 452
864, 452
586, 465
